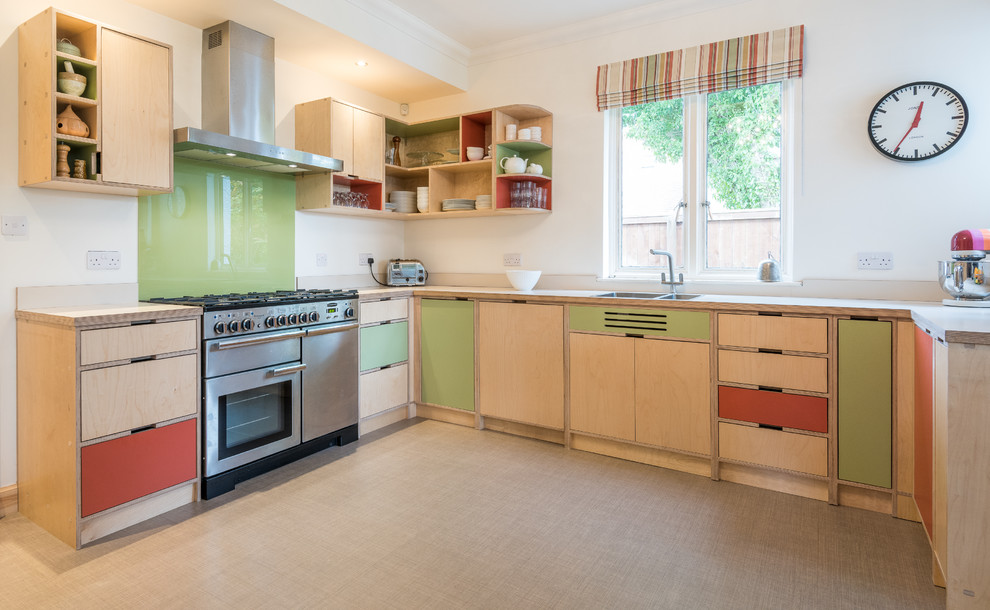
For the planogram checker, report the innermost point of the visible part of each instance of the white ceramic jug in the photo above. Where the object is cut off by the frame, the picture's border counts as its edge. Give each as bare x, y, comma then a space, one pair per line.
534, 168
513, 164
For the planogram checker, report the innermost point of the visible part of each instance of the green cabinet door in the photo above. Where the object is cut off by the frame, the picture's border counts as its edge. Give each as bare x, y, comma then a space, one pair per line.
447, 353
864, 443
384, 344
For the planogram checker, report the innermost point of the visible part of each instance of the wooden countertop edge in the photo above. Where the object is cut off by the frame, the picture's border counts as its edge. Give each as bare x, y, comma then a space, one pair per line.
885, 309
94, 315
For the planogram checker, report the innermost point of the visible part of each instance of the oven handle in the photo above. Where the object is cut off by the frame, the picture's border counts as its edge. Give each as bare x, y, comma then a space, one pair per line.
234, 343
287, 370
325, 330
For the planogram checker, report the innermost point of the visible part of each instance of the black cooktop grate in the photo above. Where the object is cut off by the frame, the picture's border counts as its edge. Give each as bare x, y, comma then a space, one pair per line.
212, 302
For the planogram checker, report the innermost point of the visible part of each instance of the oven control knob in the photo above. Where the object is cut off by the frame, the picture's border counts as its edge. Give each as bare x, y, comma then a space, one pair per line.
293, 319
233, 326
280, 321
219, 328
313, 316
247, 325
269, 321
349, 312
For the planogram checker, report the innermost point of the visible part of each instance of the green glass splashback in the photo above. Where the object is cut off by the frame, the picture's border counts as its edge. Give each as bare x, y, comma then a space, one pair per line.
221, 230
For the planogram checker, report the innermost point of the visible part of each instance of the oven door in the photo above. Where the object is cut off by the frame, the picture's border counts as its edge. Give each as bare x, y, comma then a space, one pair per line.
251, 415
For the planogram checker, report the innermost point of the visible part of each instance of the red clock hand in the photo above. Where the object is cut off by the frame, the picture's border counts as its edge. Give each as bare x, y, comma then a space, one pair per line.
917, 119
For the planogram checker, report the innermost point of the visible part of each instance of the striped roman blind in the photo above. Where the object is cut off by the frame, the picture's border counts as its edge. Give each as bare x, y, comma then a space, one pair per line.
730, 64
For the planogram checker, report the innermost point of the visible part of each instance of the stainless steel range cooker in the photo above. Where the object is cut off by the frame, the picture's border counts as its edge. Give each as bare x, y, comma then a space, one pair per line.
280, 375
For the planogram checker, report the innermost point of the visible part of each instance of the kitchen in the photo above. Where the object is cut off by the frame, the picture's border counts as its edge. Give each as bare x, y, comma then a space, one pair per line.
847, 191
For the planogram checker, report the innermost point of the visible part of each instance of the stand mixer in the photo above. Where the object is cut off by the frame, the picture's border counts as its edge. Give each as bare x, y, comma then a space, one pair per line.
965, 276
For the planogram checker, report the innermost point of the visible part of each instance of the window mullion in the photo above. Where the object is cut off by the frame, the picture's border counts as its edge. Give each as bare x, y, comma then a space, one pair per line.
694, 182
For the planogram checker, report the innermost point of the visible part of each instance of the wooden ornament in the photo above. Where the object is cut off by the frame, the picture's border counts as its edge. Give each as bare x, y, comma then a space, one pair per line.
62, 165
70, 124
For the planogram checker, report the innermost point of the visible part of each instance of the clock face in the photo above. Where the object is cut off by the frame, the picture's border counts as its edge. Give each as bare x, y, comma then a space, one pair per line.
917, 121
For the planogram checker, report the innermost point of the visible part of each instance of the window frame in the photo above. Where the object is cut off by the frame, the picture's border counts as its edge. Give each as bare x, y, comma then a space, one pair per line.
695, 193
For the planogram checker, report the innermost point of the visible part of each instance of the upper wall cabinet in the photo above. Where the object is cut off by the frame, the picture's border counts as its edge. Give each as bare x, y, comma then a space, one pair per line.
95, 107
446, 168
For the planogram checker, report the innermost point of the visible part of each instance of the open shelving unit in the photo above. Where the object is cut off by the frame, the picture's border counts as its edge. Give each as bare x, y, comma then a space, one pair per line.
434, 154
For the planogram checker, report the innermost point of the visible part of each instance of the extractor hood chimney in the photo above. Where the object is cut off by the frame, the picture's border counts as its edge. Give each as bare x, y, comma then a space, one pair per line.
239, 107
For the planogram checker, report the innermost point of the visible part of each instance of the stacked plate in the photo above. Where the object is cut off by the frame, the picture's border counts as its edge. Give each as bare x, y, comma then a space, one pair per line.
405, 201
483, 202
423, 198
450, 205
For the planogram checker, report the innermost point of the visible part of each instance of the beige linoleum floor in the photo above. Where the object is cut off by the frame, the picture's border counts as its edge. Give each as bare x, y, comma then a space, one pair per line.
431, 515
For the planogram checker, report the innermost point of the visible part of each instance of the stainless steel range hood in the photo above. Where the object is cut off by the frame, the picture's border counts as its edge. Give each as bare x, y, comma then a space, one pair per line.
238, 100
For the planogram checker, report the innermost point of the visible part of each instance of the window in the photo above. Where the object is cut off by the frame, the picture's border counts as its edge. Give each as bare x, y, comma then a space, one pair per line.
706, 177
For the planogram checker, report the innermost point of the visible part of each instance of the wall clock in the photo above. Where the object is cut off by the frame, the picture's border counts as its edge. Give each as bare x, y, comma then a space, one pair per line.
917, 121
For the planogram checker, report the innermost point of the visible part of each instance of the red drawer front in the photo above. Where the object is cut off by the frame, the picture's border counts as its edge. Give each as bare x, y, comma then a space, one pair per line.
774, 408
117, 471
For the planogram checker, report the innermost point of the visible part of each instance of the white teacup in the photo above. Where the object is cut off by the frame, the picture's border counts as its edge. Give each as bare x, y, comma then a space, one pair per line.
475, 153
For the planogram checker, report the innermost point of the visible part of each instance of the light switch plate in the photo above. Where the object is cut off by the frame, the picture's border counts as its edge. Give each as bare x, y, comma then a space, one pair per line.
14, 225
321, 259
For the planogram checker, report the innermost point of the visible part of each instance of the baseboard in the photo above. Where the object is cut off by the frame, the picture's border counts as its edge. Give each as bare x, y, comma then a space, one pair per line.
385, 418
8, 500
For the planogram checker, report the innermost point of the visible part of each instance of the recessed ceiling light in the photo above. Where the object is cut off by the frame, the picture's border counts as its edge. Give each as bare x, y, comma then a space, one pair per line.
293, 165
231, 154
361, 63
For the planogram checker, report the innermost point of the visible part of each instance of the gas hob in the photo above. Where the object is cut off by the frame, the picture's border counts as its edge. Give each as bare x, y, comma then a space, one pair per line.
257, 312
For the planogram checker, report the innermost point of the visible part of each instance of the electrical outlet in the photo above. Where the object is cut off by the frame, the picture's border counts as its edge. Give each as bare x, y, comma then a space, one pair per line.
14, 225
512, 260
321, 259
875, 261
363, 258
103, 260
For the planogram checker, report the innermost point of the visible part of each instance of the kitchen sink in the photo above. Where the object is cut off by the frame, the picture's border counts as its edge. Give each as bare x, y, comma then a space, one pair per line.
648, 295
632, 295
679, 297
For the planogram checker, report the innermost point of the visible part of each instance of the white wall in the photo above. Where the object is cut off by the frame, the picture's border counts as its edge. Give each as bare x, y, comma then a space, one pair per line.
64, 225
851, 199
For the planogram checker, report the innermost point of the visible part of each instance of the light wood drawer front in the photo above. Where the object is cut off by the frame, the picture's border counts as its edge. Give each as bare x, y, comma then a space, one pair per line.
120, 398
774, 448
808, 373
381, 311
383, 389
126, 342
773, 332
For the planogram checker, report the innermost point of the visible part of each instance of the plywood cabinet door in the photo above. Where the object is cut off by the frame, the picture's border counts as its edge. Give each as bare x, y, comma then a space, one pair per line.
446, 353
602, 384
521, 363
369, 145
924, 396
342, 135
673, 395
136, 111
864, 405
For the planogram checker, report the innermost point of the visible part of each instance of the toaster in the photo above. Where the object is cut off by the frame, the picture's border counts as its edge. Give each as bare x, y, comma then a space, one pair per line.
406, 272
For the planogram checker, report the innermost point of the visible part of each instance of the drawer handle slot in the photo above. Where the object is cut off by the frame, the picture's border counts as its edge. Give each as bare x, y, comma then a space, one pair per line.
770, 313
140, 322
636, 327
764, 350
769, 427
142, 359
764, 388
143, 429
634, 335
865, 318
631, 313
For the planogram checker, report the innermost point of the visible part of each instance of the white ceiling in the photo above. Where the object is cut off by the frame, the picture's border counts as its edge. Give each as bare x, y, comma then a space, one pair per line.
477, 24
418, 49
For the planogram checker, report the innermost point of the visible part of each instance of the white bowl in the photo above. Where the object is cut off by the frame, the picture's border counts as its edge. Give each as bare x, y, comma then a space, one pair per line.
475, 153
523, 279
